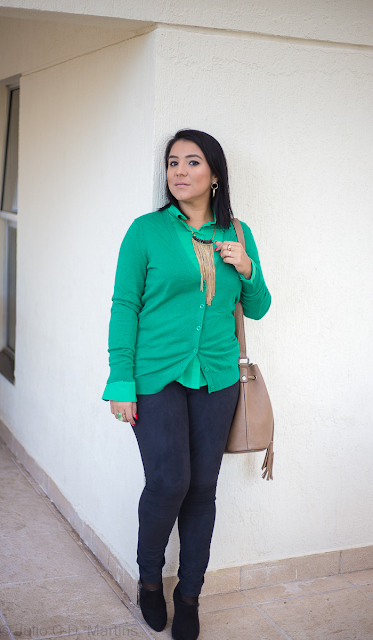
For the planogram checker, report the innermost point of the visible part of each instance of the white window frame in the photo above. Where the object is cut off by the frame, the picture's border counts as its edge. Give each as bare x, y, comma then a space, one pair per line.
10, 220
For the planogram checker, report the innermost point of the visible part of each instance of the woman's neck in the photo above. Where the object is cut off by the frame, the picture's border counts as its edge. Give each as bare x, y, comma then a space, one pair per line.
197, 215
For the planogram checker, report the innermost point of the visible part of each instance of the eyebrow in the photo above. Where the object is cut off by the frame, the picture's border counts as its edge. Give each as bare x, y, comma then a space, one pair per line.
192, 155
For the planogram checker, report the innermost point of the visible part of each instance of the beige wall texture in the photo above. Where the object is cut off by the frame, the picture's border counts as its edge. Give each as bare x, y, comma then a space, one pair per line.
331, 20
86, 154
35, 44
294, 119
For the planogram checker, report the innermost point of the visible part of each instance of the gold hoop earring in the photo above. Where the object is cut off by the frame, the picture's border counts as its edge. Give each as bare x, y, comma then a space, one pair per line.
214, 186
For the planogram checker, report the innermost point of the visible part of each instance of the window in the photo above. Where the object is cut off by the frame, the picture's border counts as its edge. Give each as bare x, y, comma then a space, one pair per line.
8, 213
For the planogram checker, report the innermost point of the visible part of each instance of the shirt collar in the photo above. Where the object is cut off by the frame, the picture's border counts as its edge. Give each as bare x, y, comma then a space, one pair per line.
174, 211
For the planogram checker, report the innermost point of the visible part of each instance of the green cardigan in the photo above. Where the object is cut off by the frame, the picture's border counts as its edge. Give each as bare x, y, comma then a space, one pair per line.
159, 317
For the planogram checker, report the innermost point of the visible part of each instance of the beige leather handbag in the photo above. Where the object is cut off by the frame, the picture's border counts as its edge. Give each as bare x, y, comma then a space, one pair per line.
252, 427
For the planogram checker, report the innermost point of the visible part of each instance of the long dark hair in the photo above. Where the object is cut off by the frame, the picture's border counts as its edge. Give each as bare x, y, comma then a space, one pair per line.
216, 160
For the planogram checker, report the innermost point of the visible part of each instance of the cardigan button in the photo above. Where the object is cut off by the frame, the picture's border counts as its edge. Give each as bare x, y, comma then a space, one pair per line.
207, 369
201, 306
195, 350
198, 328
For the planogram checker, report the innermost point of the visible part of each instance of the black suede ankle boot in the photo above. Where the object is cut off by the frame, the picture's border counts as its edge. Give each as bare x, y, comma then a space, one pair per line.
153, 607
185, 625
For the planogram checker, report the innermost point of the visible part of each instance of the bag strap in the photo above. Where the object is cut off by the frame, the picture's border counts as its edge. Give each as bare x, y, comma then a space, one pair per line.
238, 313
267, 467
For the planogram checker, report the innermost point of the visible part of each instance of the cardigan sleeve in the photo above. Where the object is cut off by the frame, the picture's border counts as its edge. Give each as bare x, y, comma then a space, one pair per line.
255, 296
126, 303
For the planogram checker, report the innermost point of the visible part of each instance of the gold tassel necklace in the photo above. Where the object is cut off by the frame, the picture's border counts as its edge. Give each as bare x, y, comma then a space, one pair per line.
204, 251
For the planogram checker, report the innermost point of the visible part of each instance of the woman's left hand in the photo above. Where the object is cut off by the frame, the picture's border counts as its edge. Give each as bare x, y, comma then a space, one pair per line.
234, 253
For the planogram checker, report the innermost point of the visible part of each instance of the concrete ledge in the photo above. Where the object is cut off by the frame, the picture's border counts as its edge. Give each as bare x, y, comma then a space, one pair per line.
264, 574
267, 574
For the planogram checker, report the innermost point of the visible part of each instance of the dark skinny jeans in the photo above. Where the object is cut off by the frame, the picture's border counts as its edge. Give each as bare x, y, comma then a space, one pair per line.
181, 433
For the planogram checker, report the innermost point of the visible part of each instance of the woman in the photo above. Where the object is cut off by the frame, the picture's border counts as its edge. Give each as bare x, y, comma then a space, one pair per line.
174, 362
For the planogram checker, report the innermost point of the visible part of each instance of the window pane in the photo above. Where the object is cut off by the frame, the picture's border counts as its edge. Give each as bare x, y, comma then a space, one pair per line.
9, 202
11, 286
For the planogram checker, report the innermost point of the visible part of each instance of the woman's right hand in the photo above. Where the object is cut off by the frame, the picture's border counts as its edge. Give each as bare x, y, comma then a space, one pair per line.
127, 409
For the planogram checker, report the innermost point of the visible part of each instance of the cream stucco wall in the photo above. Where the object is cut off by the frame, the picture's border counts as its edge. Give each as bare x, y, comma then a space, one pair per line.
294, 119
86, 152
331, 20
35, 44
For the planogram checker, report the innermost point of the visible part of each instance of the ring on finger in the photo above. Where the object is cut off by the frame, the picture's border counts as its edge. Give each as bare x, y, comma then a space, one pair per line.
119, 416
229, 247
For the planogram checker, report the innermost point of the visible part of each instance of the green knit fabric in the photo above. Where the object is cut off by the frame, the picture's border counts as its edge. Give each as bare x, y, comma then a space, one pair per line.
160, 325
193, 376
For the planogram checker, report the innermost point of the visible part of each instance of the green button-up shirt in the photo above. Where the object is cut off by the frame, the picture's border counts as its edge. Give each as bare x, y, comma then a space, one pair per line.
161, 328
193, 376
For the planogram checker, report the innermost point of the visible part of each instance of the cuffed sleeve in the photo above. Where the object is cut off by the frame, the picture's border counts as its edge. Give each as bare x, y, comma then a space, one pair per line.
253, 273
120, 391
126, 304
255, 296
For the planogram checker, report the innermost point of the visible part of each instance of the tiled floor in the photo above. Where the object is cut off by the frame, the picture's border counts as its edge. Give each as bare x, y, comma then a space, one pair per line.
51, 585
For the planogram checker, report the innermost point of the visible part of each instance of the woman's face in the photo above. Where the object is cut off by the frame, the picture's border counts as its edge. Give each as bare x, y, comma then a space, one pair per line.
189, 176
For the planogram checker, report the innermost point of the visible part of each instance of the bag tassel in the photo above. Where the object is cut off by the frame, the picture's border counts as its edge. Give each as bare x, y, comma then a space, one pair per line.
268, 463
